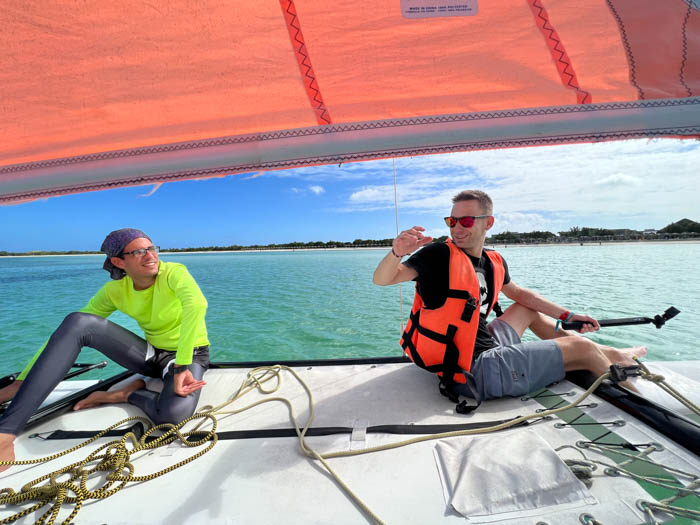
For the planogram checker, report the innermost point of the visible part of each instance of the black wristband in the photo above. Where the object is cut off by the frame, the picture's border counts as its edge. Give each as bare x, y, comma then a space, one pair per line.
178, 369
396, 254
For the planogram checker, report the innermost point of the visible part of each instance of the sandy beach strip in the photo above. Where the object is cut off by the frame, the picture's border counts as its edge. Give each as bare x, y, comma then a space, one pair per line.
349, 248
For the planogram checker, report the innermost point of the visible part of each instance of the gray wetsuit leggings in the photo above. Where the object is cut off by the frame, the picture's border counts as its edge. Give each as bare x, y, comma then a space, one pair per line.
119, 344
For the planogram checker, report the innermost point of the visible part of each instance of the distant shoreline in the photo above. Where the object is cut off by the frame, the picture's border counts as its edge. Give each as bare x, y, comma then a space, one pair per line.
352, 248
252, 250
595, 243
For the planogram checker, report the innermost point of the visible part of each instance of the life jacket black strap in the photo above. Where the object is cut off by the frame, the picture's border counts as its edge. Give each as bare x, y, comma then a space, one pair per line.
459, 294
470, 307
408, 346
497, 310
435, 336
407, 336
449, 390
449, 366
449, 362
414, 318
470, 304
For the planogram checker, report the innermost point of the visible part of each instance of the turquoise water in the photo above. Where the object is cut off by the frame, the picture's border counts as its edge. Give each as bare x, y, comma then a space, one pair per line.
322, 304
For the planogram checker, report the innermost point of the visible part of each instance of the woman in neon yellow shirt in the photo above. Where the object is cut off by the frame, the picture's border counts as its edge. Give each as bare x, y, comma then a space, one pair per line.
165, 301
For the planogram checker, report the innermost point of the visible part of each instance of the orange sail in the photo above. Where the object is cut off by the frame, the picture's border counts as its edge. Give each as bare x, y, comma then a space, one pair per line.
94, 96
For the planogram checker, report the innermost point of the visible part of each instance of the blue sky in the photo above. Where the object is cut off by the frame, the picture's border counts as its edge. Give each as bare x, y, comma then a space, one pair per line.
634, 184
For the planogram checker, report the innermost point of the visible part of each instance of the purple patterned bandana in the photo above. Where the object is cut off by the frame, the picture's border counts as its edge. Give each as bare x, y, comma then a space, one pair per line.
114, 244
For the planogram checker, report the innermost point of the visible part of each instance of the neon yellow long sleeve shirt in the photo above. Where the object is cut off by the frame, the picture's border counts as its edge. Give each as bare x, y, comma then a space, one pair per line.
170, 313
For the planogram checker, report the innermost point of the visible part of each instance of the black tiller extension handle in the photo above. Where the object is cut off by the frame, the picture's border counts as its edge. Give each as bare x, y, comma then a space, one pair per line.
658, 320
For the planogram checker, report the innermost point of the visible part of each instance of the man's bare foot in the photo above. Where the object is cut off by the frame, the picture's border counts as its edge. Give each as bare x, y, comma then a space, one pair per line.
629, 386
7, 449
628, 354
624, 356
116, 396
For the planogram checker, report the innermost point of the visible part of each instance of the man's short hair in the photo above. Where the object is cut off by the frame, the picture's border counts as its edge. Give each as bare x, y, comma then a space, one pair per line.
484, 200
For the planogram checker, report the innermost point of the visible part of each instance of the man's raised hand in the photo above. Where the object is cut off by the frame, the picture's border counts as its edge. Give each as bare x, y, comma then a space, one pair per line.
409, 241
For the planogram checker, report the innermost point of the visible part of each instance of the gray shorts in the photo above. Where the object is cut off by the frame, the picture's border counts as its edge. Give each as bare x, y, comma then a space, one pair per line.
514, 368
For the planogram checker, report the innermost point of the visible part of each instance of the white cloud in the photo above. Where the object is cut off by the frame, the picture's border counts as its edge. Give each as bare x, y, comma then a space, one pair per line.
549, 187
315, 189
376, 194
619, 179
523, 222
651, 182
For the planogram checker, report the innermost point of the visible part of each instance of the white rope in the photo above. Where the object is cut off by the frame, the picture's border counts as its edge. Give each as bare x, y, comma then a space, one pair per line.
253, 381
396, 215
258, 376
660, 381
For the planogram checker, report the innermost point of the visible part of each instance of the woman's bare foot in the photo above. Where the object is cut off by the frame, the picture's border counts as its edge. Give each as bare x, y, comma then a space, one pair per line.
7, 449
116, 396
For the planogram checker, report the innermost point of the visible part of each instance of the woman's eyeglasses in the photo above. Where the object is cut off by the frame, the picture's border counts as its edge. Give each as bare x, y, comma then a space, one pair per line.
141, 252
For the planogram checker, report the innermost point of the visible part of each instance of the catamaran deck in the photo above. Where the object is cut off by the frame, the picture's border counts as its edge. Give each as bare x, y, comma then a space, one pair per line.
268, 480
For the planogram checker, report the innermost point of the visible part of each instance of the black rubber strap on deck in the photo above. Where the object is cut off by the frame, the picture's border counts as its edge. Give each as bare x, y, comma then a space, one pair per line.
290, 432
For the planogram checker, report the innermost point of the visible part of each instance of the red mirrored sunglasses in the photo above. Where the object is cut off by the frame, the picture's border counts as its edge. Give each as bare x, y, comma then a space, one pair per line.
467, 221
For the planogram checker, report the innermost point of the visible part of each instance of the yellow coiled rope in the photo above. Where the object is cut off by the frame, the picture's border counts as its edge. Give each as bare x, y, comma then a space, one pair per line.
112, 458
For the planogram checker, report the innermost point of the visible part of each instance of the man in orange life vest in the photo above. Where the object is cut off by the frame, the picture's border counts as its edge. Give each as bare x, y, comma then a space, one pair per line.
457, 285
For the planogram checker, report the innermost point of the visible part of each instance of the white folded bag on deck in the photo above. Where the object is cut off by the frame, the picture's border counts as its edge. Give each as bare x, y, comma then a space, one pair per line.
500, 476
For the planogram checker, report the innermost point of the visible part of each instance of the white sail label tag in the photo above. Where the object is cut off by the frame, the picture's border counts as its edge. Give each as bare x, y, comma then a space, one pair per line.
438, 8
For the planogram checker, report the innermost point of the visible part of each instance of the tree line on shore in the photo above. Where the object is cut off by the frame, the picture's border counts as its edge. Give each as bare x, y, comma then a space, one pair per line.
357, 243
683, 229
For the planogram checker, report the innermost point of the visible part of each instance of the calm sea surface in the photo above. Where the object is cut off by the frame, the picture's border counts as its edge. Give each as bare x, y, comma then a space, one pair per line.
322, 304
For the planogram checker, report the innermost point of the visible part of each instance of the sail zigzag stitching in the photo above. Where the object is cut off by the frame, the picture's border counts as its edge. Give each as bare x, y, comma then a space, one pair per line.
628, 50
563, 57
301, 50
342, 128
552, 36
334, 159
684, 50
